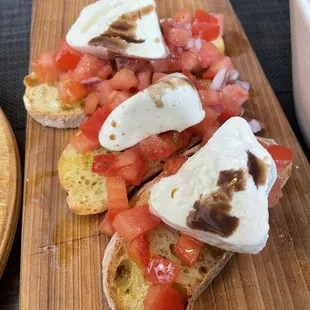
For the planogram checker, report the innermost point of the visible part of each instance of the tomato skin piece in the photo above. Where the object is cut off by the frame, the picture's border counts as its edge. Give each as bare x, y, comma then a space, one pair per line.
161, 270
282, 156
154, 147
66, 57
162, 297
211, 32
208, 54
92, 125
104, 165
275, 194
139, 251
106, 227
91, 103
117, 196
188, 249
45, 67
132, 223
184, 16
82, 144
173, 164
124, 80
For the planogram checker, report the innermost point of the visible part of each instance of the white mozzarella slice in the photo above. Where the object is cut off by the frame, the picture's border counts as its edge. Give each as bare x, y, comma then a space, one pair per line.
196, 184
172, 103
129, 28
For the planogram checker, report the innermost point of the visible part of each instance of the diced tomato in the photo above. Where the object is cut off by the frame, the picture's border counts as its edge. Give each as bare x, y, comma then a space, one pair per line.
82, 144
66, 57
163, 297
161, 270
124, 80
208, 121
188, 249
104, 165
208, 54
131, 64
184, 16
177, 36
91, 103
144, 80
155, 147
189, 61
132, 223
90, 67
157, 76
203, 16
106, 92
190, 76
210, 32
220, 18
174, 60
69, 90
106, 227
174, 138
208, 134
116, 196
119, 97
210, 97
234, 96
224, 61
275, 194
139, 251
92, 125
282, 156
131, 166
224, 117
45, 67
172, 165
160, 65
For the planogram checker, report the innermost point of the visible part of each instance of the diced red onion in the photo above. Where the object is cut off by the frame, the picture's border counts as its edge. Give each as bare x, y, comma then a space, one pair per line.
91, 80
198, 44
180, 50
218, 108
219, 80
256, 125
245, 85
190, 43
234, 75
187, 26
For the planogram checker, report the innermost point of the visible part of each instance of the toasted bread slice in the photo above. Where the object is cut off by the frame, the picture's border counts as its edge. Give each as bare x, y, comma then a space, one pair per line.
43, 103
123, 282
87, 192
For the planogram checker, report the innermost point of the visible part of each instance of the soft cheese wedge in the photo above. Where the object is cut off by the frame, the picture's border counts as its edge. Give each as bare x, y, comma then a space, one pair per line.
172, 103
130, 28
219, 196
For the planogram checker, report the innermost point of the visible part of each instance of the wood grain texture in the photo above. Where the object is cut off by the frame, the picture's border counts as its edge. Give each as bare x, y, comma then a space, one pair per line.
62, 252
10, 189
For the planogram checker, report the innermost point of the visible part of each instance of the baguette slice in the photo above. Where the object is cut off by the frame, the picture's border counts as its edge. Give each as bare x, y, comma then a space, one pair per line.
43, 104
123, 282
87, 192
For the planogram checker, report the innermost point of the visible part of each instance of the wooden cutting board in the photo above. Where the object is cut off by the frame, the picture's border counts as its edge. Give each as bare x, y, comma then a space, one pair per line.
62, 253
10, 189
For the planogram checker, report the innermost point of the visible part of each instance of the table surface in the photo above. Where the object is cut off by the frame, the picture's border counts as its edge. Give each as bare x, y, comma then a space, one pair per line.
9, 284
